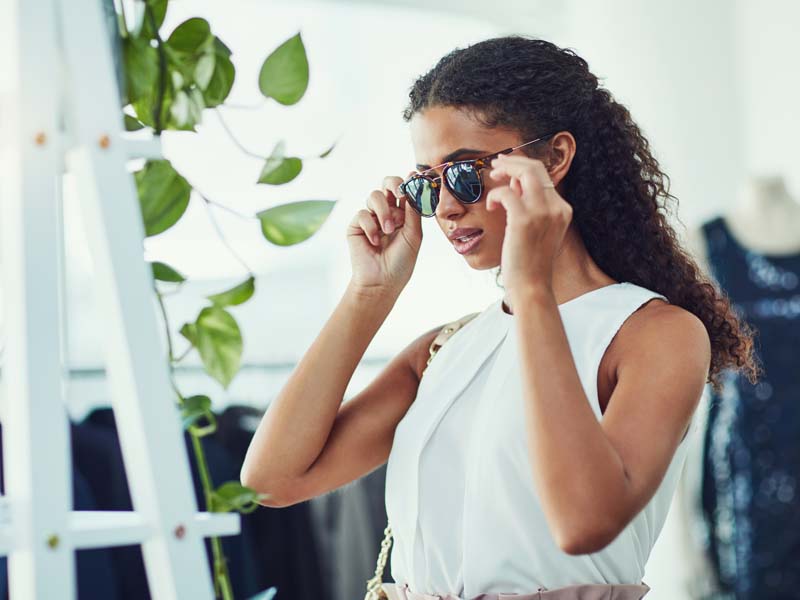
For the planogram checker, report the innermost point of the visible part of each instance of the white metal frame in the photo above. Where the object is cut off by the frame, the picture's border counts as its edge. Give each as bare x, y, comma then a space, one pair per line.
65, 109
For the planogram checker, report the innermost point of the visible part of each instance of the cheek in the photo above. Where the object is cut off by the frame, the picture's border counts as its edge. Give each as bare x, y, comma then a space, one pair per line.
495, 219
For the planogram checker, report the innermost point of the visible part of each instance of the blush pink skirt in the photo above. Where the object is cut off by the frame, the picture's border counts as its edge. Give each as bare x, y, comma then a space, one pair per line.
593, 591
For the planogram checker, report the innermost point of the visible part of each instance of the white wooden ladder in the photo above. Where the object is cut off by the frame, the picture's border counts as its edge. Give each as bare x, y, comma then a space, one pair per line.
64, 114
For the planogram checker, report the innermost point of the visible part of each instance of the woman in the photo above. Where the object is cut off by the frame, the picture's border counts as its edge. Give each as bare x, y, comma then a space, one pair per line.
541, 448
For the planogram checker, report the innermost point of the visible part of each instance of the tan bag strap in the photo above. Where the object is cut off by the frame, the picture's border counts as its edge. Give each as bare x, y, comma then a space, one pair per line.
445, 334
374, 589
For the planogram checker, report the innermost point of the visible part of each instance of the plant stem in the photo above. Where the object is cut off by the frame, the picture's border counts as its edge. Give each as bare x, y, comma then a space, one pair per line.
227, 208
163, 309
235, 140
221, 235
184, 355
221, 577
222, 583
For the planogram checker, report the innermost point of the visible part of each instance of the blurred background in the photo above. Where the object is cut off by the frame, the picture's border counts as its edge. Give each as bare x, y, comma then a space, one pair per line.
713, 86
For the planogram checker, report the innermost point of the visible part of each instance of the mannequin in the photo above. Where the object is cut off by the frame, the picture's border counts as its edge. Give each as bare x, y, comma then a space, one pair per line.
748, 431
765, 219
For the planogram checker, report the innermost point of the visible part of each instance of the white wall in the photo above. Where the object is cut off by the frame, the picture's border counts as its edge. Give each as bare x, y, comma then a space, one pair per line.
767, 54
672, 64
712, 84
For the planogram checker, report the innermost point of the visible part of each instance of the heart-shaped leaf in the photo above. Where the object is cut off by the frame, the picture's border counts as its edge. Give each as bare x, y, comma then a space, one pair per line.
159, 9
141, 68
163, 195
236, 295
218, 339
195, 408
191, 36
278, 168
284, 74
163, 272
280, 171
221, 82
232, 495
189, 331
294, 222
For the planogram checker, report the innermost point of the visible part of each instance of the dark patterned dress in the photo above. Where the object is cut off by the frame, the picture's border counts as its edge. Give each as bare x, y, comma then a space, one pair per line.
751, 465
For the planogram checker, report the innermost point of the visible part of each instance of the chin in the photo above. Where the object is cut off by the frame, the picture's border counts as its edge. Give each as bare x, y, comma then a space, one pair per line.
480, 263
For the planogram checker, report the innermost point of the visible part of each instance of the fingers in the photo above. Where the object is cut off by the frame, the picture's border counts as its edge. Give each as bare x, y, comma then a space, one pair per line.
501, 197
530, 172
389, 186
365, 221
387, 214
387, 211
411, 216
389, 204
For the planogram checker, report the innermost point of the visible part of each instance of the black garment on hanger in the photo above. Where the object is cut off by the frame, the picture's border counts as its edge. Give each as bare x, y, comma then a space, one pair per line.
94, 572
751, 470
96, 447
284, 544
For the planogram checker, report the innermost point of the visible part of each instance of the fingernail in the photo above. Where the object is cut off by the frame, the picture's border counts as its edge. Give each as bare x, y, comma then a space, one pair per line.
388, 226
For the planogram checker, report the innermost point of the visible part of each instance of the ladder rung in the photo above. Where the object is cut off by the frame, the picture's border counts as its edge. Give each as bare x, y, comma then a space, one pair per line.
149, 148
104, 529
217, 524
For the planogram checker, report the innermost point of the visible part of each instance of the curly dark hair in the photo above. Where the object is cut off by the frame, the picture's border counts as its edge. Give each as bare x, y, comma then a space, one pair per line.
620, 196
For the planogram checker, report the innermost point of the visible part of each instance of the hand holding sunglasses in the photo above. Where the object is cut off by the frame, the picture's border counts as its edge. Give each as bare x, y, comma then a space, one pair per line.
384, 240
462, 177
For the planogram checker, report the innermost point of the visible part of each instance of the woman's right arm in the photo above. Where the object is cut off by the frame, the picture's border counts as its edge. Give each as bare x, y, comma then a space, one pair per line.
308, 442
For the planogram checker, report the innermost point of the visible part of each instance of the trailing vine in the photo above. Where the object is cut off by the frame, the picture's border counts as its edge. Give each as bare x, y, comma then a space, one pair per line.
168, 84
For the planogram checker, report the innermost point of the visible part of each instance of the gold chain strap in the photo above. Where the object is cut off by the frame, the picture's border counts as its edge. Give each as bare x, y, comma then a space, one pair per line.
375, 590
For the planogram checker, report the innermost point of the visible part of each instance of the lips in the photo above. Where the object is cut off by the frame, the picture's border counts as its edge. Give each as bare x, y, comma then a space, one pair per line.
462, 232
467, 241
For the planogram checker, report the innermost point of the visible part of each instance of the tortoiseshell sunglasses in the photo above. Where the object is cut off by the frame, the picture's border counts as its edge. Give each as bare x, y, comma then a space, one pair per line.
462, 177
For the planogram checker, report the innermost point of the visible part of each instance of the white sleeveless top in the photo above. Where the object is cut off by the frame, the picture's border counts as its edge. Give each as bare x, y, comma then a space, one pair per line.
465, 515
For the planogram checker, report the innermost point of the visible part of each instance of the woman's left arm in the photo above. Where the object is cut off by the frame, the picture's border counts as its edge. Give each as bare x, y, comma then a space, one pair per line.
593, 476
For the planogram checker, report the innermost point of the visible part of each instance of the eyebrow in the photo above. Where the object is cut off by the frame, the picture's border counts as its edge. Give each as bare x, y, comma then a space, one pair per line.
453, 156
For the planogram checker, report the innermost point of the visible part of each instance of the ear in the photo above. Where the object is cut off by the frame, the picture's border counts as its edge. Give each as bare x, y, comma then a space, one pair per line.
562, 151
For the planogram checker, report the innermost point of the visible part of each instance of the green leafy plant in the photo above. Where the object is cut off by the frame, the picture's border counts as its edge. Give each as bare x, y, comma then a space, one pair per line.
169, 85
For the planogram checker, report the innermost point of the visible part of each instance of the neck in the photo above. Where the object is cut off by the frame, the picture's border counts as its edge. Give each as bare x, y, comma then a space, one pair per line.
574, 271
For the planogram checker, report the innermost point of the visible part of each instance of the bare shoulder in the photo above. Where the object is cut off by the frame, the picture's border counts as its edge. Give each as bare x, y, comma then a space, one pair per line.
662, 331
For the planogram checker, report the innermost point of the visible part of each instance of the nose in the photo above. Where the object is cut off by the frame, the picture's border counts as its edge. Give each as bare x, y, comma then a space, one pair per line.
449, 207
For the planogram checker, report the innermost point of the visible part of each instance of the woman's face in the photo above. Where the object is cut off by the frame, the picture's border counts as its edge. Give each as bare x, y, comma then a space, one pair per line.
442, 134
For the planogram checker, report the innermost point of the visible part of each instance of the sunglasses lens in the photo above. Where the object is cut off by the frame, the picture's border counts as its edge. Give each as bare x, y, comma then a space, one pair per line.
422, 195
464, 180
